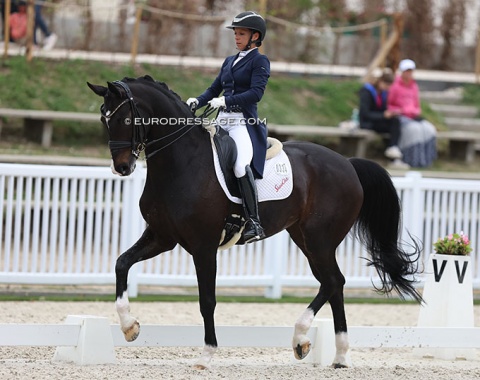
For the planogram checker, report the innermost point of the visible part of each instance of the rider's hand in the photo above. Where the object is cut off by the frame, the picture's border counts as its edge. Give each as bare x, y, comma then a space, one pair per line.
217, 102
192, 103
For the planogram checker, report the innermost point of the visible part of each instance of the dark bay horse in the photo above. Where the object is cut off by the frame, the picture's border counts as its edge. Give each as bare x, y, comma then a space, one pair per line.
183, 203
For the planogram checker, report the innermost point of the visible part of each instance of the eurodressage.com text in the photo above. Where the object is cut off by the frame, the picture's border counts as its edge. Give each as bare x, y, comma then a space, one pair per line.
193, 121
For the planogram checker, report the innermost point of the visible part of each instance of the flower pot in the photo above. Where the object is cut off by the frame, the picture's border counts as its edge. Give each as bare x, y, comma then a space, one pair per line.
448, 295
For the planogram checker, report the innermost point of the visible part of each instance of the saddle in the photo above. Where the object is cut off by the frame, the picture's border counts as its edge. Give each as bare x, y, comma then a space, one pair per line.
276, 184
227, 155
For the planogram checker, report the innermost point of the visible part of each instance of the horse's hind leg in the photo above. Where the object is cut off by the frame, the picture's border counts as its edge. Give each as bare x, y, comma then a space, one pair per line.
146, 247
206, 267
340, 325
331, 289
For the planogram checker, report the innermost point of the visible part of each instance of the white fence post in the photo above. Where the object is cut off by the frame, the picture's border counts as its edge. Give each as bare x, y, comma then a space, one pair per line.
276, 247
416, 205
95, 343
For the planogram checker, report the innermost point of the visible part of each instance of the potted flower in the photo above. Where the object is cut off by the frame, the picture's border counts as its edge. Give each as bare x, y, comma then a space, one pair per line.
453, 244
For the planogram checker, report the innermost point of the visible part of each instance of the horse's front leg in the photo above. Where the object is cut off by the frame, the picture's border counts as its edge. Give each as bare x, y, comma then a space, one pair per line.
206, 268
145, 248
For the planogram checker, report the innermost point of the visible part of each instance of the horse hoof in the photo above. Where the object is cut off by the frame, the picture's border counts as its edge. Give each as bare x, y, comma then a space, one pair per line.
339, 365
301, 351
132, 332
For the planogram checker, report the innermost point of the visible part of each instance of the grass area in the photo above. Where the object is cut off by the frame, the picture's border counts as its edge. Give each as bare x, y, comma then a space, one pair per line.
61, 85
182, 298
194, 298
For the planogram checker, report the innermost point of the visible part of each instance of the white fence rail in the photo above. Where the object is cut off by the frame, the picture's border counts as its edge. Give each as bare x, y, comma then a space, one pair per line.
91, 340
67, 225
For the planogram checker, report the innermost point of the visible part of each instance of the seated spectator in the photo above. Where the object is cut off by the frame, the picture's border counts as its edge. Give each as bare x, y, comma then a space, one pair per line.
18, 24
418, 137
374, 115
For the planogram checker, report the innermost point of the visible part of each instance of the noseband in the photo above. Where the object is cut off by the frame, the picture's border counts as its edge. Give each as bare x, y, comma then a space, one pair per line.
139, 134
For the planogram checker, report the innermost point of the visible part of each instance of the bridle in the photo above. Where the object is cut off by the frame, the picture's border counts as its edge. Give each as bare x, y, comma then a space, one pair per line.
139, 133
139, 130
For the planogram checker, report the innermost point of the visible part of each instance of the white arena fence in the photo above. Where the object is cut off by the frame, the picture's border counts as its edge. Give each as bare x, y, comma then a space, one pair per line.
90, 340
68, 224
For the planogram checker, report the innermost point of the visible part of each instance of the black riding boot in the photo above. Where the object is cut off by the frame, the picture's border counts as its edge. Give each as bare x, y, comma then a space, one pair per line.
253, 230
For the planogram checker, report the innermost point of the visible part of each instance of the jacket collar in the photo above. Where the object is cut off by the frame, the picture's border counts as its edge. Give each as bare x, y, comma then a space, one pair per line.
245, 59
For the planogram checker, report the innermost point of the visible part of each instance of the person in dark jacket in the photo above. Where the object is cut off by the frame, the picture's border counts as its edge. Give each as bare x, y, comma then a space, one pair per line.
243, 79
374, 115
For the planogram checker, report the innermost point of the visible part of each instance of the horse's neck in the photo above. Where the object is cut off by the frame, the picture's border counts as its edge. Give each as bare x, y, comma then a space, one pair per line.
186, 151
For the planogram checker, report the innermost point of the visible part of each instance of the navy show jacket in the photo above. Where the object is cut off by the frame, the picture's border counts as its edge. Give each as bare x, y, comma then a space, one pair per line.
243, 85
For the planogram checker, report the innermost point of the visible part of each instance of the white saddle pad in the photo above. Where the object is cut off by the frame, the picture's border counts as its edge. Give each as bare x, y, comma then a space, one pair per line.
277, 182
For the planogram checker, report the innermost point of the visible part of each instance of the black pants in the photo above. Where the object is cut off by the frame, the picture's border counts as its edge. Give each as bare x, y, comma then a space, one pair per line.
391, 126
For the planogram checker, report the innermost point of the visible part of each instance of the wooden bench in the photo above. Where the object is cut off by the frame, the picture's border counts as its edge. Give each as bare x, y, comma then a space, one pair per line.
461, 144
39, 124
353, 143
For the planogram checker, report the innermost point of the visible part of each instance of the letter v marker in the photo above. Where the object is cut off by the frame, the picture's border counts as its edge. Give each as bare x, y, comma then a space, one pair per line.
461, 276
438, 275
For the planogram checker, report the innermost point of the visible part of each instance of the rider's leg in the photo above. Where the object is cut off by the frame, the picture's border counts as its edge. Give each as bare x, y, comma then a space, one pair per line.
239, 133
253, 230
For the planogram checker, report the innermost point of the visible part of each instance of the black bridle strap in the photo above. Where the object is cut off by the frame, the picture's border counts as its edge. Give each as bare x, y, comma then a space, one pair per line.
138, 131
138, 142
208, 111
149, 155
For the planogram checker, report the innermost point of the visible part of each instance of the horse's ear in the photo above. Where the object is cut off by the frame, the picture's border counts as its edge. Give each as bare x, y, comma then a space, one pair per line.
97, 89
114, 89
148, 77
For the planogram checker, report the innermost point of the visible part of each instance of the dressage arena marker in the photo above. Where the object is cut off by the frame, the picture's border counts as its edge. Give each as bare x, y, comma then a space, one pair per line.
448, 295
84, 339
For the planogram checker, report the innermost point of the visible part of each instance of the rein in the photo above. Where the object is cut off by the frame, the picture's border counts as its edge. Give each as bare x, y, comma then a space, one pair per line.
208, 111
139, 132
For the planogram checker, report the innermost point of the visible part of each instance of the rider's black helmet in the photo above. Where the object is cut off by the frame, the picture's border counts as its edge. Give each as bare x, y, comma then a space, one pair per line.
250, 20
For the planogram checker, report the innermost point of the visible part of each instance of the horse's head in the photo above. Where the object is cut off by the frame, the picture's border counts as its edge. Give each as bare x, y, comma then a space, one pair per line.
126, 139
128, 104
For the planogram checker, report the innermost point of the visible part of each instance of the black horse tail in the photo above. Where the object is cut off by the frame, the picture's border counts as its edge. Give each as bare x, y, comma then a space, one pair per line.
378, 226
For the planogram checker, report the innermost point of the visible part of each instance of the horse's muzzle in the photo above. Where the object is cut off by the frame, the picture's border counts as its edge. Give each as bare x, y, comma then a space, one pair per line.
123, 168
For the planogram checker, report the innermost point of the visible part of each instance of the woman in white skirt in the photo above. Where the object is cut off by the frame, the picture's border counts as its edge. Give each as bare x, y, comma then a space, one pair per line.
418, 138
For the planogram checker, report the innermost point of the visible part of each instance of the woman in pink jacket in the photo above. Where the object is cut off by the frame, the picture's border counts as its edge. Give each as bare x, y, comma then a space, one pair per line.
418, 136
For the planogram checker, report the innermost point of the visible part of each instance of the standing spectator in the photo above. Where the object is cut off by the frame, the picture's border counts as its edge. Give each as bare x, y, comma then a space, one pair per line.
50, 39
374, 115
418, 137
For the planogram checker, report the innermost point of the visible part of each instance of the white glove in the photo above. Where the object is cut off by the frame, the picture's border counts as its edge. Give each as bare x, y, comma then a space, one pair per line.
217, 102
192, 103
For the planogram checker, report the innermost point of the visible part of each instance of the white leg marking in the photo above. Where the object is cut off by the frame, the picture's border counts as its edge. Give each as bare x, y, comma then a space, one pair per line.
341, 343
300, 338
207, 355
128, 324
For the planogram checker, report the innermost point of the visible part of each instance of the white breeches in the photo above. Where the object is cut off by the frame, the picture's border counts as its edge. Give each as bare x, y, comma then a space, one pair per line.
234, 124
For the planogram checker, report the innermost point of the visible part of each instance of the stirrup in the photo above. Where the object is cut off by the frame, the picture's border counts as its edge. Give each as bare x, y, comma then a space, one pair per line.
253, 231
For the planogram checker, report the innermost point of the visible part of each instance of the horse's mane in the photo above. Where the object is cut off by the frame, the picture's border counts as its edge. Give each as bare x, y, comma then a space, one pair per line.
161, 86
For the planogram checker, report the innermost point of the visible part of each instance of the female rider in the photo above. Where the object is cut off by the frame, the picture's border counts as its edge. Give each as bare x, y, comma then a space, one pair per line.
243, 78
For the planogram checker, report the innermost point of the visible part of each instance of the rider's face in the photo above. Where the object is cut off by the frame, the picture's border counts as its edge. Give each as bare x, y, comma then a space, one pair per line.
242, 36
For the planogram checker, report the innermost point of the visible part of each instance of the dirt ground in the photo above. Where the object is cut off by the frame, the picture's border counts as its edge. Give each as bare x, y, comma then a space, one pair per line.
229, 363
